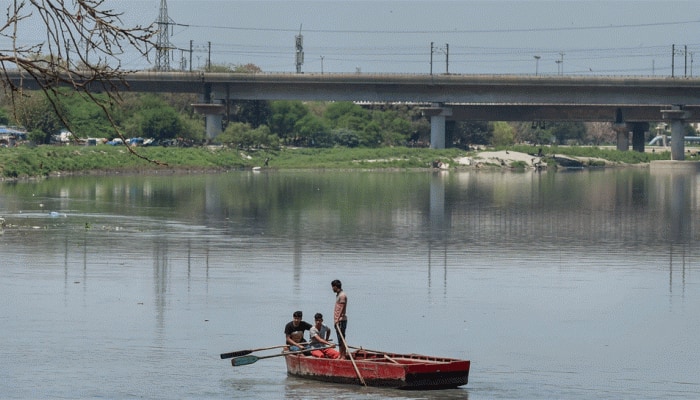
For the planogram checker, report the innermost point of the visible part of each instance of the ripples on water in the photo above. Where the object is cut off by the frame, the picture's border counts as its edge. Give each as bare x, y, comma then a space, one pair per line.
554, 285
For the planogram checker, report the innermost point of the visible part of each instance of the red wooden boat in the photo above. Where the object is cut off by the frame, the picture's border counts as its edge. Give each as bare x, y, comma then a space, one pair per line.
400, 371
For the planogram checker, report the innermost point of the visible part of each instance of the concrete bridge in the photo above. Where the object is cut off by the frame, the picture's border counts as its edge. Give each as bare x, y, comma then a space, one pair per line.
628, 102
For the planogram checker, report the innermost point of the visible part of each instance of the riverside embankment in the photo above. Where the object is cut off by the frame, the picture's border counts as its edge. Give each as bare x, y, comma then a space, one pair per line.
27, 162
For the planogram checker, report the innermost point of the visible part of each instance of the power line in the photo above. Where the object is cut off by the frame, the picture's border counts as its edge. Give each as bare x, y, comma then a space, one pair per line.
450, 31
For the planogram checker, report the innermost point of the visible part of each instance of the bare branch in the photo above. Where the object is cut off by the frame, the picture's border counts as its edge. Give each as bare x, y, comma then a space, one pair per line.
81, 49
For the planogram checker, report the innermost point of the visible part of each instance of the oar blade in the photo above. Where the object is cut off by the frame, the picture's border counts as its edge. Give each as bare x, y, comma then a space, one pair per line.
235, 354
244, 360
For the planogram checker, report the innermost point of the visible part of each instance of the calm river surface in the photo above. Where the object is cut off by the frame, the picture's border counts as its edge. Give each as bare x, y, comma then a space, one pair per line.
557, 285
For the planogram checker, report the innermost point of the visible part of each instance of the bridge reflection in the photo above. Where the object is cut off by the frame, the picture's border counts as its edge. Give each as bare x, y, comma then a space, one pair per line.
637, 212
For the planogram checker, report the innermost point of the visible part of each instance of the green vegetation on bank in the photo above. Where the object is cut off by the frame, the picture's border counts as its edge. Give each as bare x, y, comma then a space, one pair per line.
40, 161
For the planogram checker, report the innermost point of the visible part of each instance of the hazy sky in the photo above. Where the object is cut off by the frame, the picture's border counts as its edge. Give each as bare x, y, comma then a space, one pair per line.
591, 37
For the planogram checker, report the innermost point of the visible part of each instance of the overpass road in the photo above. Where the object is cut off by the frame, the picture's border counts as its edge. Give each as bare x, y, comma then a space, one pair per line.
625, 101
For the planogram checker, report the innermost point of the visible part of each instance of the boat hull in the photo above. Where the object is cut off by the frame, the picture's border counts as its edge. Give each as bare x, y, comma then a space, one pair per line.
400, 371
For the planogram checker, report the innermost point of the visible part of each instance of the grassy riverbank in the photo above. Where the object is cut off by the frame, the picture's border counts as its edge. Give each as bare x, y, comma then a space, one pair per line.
30, 162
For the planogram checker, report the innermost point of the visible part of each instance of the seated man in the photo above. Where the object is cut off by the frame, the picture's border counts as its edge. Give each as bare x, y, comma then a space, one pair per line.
294, 332
319, 334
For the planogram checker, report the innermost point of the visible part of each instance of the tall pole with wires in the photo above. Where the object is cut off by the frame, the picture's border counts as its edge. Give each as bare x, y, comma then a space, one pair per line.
447, 58
299, 43
163, 45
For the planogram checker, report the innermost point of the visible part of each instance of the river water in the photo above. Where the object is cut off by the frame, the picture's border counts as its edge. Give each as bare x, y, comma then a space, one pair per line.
567, 285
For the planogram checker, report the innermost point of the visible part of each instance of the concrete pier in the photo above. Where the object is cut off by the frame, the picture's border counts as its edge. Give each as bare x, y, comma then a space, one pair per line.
214, 116
677, 116
438, 115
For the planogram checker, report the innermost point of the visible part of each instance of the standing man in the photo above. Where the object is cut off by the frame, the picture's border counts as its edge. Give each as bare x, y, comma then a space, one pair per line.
340, 318
294, 332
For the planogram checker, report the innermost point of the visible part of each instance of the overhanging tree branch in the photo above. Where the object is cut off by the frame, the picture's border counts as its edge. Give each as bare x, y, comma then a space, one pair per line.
81, 49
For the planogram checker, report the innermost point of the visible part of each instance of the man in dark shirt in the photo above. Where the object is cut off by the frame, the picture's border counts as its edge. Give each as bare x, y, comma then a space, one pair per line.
294, 332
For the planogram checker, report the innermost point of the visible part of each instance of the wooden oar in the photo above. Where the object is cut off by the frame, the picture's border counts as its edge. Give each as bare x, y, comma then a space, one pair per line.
245, 360
357, 371
368, 350
246, 352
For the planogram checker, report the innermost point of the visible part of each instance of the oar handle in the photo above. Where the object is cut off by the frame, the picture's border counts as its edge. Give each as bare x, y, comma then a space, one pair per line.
245, 360
246, 352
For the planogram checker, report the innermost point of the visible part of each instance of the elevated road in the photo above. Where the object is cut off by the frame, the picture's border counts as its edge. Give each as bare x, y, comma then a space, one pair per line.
466, 89
470, 89
620, 100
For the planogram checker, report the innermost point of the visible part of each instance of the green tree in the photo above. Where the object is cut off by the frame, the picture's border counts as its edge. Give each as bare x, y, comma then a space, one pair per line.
420, 132
192, 128
503, 134
345, 114
468, 133
35, 112
346, 137
160, 123
240, 134
87, 118
313, 131
535, 132
285, 115
234, 134
4, 117
371, 135
568, 131
395, 126
253, 112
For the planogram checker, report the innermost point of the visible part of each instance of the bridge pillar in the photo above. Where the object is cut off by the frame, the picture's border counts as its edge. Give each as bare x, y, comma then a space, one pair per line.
214, 116
437, 132
622, 136
677, 116
438, 114
638, 131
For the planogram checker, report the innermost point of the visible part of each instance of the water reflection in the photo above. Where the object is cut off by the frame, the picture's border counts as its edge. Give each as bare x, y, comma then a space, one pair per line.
161, 271
676, 193
445, 213
525, 271
438, 232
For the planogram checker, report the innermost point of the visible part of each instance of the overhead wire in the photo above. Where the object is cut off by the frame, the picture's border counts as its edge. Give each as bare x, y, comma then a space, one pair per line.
446, 31
459, 54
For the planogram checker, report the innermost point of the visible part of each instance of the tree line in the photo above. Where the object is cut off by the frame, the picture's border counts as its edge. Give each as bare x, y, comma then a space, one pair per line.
251, 124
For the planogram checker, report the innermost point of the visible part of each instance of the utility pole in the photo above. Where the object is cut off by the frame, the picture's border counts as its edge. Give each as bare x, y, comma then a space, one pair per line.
691, 64
446, 50
183, 60
447, 58
163, 45
673, 60
299, 40
209, 57
561, 61
537, 65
